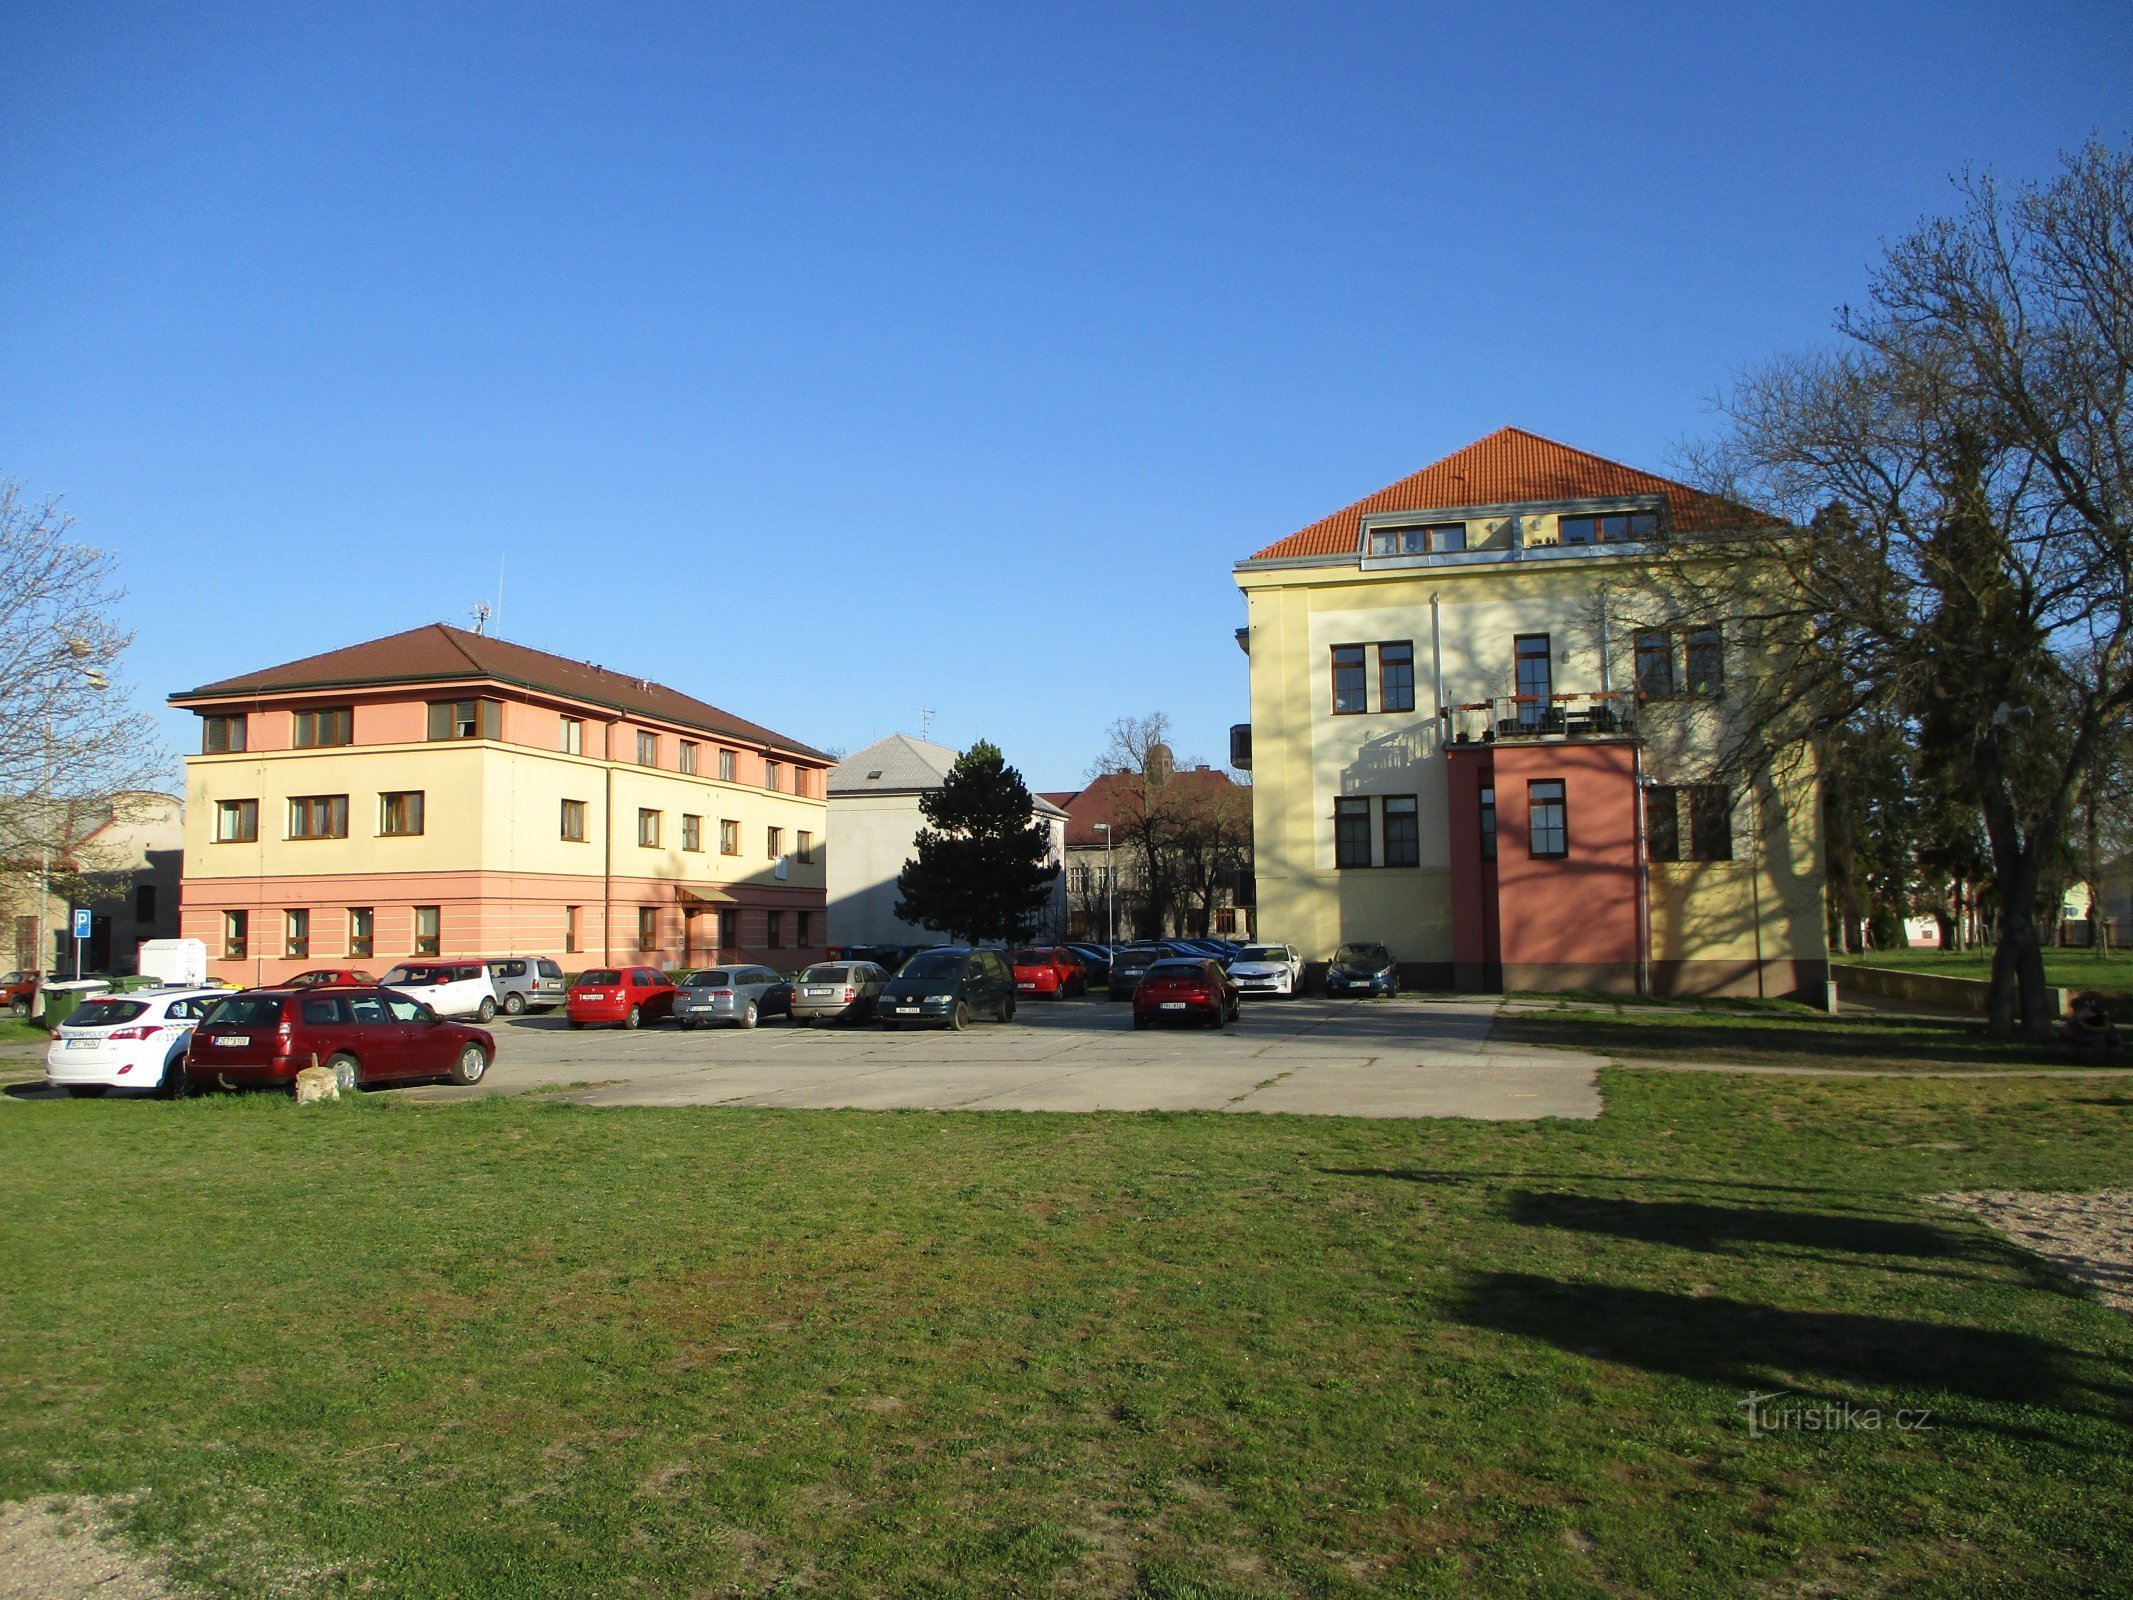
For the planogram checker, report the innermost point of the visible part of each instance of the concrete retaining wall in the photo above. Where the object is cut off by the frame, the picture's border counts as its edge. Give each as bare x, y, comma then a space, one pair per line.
1928, 989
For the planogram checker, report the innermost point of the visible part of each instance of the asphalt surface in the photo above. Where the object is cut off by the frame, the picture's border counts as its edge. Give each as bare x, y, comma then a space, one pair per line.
1355, 1058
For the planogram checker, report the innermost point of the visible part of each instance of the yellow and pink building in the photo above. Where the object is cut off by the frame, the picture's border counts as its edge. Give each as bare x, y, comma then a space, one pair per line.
444, 793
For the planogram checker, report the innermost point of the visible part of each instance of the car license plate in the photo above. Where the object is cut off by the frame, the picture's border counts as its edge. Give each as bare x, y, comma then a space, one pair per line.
815, 994
908, 1011
1173, 1005
231, 1038
1027, 984
593, 994
83, 1044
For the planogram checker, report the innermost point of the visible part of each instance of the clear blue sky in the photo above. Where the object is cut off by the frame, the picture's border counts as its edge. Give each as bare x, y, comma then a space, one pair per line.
831, 361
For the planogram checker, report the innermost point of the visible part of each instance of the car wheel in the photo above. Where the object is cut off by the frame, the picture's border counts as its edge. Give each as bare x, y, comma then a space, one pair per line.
514, 1004
635, 1019
174, 1086
1220, 1017
472, 1063
752, 1015
959, 1018
1141, 1019
18, 1008
486, 1010
347, 1074
575, 1023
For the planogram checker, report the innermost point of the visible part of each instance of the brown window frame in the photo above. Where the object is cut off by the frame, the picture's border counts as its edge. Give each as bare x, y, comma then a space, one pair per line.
385, 813
647, 748
803, 848
1559, 829
729, 836
726, 761
1415, 539
303, 811
570, 930
247, 814
431, 943
573, 822
223, 723
1412, 845
362, 931
692, 832
651, 828
1707, 646
1388, 699
236, 935
1359, 666
476, 718
296, 933
774, 842
647, 928
773, 930
685, 755
1347, 809
1654, 645
337, 720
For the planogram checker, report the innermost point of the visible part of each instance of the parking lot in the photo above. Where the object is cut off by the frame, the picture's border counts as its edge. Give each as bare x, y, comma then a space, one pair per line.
1360, 1058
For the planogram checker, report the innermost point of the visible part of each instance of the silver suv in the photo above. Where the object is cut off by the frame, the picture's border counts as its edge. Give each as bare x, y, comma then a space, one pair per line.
526, 983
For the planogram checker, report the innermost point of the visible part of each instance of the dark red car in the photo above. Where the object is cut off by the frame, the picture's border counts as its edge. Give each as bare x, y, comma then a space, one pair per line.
1048, 974
17, 990
330, 978
626, 996
1175, 991
363, 1036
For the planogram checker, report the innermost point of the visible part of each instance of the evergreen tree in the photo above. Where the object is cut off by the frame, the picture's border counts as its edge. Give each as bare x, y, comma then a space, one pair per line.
982, 869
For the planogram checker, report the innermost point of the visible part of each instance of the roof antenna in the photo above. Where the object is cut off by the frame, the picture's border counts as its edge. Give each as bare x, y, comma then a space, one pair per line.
925, 722
480, 613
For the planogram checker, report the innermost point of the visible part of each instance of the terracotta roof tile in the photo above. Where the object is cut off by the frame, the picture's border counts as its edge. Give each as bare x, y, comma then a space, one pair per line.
441, 653
1509, 467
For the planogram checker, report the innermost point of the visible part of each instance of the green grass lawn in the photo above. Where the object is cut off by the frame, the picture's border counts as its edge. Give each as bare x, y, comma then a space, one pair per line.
2111, 972
515, 1349
1770, 1034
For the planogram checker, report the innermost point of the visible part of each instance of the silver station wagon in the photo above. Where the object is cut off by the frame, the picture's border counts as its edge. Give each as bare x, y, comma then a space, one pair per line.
837, 991
734, 997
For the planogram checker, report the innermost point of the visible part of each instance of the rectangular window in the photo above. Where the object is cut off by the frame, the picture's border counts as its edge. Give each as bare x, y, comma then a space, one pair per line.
573, 736
318, 816
1655, 664
1710, 823
804, 849
236, 821
1612, 528
1707, 667
692, 832
687, 755
647, 749
429, 930
1350, 693
801, 929
362, 937
1547, 818
773, 929
647, 928
315, 729
1535, 677
1662, 824
400, 813
236, 926
144, 902
725, 766
1403, 837
648, 827
1396, 676
800, 780
221, 735
773, 774
574, 821
729, 837
570, 930
729, 930
776, 837
296, 934
466, 719
1351, 833
1488, 823
1434, 539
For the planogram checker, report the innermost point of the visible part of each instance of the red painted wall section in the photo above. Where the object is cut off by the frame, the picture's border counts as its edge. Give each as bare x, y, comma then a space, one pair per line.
1581, 908
1473, 879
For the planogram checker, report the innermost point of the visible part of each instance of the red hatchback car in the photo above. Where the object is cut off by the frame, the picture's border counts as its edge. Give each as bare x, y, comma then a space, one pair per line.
363, 1036
626, 996
328, 978
1176, 990
1048, 974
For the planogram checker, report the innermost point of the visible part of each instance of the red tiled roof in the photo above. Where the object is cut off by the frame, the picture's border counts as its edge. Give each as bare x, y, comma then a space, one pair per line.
1110, 798
441, 653
1510, 467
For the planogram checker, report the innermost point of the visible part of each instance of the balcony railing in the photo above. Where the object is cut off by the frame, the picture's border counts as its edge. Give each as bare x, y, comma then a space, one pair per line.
1606, 714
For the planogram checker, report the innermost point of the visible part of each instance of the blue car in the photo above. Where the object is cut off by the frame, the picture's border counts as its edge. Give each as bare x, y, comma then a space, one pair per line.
1362, 969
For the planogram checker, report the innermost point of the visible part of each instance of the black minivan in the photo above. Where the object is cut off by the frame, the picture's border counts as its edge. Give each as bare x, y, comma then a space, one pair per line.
949, 985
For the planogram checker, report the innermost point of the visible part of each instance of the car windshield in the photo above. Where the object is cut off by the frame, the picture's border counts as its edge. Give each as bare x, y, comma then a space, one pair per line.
1031, 958
419, 975
934, 964
1361, 955
606, 975
1176, 969
710, 978
244, 1011
105, 1013
826, 975
1263, 952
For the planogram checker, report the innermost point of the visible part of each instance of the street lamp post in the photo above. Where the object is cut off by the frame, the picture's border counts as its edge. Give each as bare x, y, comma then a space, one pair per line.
76, 651
1110, 886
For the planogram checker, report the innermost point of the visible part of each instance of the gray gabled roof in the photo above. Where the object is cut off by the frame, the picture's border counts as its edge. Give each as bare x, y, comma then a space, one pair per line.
901, 764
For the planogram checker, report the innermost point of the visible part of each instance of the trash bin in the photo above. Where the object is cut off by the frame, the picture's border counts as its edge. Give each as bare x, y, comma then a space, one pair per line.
56, 1001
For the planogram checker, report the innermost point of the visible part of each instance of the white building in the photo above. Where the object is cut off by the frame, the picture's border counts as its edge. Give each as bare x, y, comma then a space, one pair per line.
873, 819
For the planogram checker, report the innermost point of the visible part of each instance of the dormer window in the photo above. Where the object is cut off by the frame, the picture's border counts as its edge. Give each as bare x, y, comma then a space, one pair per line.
1424, 540
1613, 527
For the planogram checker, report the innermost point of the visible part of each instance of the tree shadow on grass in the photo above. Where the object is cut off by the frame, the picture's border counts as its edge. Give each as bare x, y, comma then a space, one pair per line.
1445, 1177
1695, 1225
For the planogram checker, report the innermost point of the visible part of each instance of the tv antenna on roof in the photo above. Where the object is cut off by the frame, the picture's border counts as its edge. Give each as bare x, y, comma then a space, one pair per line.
481, 612
925, 722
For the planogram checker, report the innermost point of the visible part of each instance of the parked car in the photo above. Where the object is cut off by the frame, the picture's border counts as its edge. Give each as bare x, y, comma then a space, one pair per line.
363, 1036
330, 978
449, 988
1177, 991
630, 996
18, 991
1362, 969
527, 983
837, 991
129, 1041
1192, 949
888, 957
1095, 961
1055, 974
1267, 969
1129, 963
949, 985
736, 997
